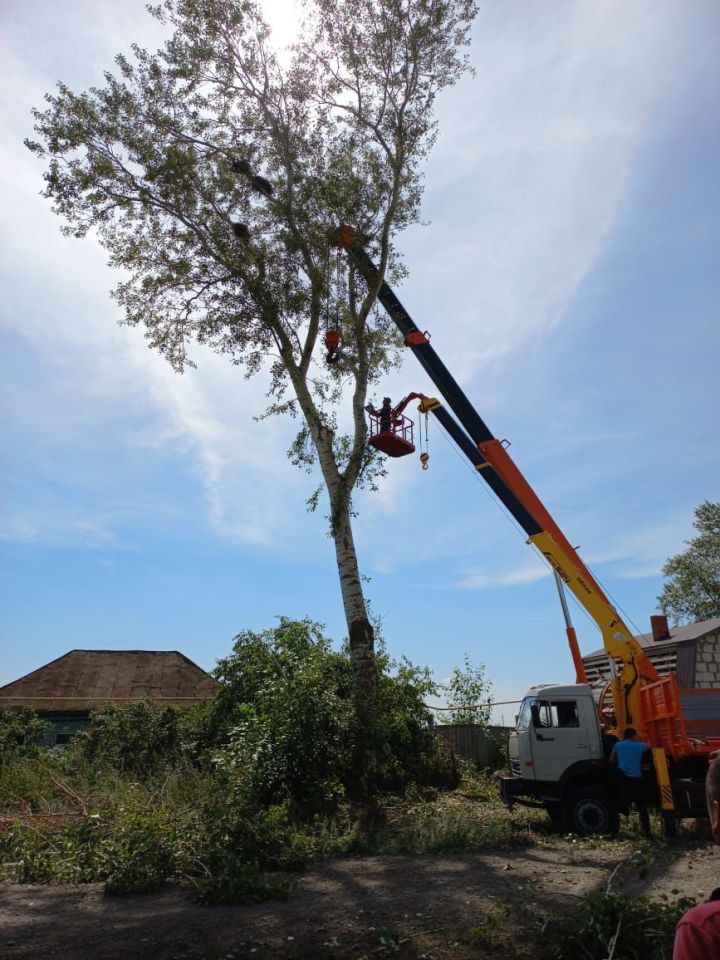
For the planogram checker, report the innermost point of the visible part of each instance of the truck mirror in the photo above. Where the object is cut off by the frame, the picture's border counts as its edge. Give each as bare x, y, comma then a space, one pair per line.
535, 713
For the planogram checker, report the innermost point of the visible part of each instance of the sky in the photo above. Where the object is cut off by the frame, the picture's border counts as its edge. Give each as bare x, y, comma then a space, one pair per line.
567, 270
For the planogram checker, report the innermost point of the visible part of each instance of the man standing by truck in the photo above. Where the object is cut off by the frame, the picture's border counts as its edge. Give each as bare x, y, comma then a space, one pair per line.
697, 936
627, 755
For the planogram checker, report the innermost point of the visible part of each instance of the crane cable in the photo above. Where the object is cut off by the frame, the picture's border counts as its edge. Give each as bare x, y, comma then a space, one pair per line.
424, 454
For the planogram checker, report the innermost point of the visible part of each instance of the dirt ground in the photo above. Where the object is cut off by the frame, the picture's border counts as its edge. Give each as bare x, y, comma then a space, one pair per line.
374, 907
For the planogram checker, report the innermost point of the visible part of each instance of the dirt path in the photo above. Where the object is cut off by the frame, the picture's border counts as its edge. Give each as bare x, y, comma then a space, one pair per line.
376, 907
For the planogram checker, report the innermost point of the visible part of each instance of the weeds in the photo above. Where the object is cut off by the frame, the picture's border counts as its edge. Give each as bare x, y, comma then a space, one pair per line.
218, 802
450, 822
617, 925
68, 820
490, 932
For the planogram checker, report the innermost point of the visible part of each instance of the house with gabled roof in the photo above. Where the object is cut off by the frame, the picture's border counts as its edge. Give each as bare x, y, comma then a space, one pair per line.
66, 690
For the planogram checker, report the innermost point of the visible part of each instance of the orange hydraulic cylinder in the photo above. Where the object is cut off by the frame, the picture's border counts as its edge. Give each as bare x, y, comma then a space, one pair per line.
580, 674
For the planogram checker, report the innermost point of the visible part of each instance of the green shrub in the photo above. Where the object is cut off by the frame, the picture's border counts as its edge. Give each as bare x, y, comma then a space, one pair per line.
141, 852
286, 716
20, 733
403, 746
468, 692
135, 739
232, 851
233, 796
131, 851
616, 924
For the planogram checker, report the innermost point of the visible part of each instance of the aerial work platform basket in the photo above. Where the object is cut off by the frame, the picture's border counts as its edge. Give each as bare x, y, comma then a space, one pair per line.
392, 436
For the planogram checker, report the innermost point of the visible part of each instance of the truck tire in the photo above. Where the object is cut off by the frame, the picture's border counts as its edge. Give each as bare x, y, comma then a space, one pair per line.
590, 811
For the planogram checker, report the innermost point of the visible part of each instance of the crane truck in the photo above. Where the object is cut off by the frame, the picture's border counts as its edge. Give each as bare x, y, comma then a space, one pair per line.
559, 750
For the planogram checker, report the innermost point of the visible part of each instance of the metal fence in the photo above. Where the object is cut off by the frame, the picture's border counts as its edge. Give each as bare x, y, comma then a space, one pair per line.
484, 746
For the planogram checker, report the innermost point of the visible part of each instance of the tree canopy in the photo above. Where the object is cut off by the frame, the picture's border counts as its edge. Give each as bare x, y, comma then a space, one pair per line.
693, 588
214, 169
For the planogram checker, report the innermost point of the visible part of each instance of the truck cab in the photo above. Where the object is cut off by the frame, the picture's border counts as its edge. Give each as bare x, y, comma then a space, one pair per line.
557, 726
557, 760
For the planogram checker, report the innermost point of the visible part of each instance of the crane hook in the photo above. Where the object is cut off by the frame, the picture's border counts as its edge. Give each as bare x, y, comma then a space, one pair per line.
424, 460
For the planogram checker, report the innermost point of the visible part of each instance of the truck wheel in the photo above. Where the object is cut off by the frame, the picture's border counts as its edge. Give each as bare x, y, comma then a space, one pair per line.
590, 810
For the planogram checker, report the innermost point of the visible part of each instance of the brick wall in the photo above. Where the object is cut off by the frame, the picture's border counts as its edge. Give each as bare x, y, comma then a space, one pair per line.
707, 662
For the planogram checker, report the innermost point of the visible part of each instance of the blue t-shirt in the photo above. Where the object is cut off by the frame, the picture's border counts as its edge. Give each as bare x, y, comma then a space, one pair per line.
629, 755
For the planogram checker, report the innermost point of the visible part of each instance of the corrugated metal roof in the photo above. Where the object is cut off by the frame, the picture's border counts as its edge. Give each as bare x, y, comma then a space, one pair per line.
83, 680
690, 631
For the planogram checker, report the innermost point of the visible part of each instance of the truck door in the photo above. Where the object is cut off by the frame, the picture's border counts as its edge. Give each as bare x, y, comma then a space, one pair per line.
560, 735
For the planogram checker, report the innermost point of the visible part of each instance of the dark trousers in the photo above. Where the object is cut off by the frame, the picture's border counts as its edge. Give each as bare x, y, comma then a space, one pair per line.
635, 791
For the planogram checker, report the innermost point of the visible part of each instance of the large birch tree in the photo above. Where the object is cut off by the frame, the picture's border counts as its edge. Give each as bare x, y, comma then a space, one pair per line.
212, 170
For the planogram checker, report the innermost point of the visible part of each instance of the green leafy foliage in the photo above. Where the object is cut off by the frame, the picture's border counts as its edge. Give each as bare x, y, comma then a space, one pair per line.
145, 838
216, 797
693, 589
139, 737
131, 850
286, 712
20, 733
468, 691
406, 752
287, 716
141, 853
616, 925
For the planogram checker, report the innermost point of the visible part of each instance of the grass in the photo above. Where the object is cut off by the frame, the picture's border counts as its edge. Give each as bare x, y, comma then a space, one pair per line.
469, 818
65, 820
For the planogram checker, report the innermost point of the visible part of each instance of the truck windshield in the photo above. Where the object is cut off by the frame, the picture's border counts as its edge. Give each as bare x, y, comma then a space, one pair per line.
524, 720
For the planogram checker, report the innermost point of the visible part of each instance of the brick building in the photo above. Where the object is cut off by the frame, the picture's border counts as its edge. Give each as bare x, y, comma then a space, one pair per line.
692, 651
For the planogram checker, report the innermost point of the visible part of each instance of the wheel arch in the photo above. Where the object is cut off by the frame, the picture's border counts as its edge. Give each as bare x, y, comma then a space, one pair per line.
595, 773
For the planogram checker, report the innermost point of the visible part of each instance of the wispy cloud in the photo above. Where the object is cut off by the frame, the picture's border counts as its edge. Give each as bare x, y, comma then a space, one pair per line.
531, 172
528, 181
634, 555
486, 580
54, 530
641, 553
58, 303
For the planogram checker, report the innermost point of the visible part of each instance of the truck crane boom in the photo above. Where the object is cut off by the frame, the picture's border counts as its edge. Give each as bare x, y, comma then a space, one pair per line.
490, 457
586, 792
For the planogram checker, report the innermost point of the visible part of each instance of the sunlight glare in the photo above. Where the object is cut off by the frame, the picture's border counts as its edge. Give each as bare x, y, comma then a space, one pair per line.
283, 17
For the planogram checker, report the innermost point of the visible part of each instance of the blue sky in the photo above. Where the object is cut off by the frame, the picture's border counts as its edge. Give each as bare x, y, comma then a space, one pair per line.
568, 275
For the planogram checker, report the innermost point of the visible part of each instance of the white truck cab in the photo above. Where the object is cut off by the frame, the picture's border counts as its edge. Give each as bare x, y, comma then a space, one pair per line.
557, 760
556, 727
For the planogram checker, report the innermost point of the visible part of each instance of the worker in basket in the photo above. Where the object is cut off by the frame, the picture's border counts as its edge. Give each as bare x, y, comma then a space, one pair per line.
385, 415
